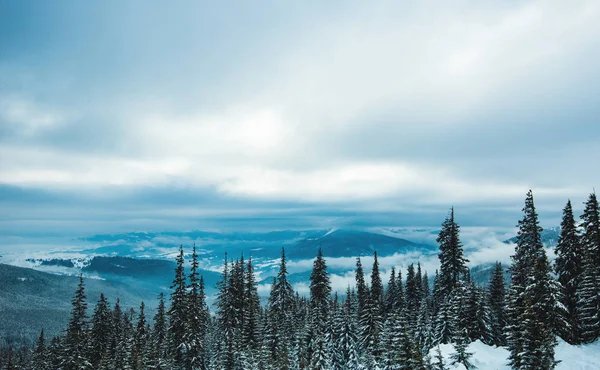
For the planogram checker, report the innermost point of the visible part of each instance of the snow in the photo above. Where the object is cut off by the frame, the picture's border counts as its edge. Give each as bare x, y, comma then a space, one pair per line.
582, 357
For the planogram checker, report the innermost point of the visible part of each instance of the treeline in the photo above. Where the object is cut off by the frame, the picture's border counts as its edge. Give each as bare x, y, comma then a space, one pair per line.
369, 327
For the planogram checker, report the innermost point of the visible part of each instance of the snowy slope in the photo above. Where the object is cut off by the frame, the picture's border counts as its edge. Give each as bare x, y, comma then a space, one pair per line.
584, 357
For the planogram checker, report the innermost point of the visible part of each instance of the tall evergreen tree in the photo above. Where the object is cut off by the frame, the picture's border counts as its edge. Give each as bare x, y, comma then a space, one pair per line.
252, 309
391, 294
40, 359
160, 348
452, 261
589, 289
75, 357
320, 291
376, 283
178, 313
101, 331
140, 349
281, 310
531, 306
197, 318
569, 269
497, 305
361, 286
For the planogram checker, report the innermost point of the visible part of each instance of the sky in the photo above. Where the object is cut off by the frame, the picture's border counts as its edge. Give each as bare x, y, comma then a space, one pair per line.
135, 115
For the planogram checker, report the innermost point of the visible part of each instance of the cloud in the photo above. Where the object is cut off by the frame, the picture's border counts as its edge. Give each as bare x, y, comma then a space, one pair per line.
346, 110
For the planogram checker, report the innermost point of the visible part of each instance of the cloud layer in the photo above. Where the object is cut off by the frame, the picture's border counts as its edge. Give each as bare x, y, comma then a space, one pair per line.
353, 107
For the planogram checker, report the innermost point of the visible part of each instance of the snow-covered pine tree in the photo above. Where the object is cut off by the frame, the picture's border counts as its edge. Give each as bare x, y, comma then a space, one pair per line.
140, 350
568, 266
412, 297
589, 292
376, 284
197, 317
361, 287
346, 353
439, 363
226, 316
400, 351
281, 310
391, 294
320, 292
251, 310
40, 358
532, 301
160, 348
75, 351
483, 319
460, 354
497, 305
453, 264
400, 298
590, 222
101, 332
178, 313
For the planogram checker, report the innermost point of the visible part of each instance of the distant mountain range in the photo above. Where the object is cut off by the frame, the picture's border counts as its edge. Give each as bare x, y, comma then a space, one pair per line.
138, 266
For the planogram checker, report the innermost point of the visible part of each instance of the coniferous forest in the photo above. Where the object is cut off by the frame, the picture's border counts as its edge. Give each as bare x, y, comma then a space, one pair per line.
395, 324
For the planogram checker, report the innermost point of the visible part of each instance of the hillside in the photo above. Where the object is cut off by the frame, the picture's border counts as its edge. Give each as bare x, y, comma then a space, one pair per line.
31, 300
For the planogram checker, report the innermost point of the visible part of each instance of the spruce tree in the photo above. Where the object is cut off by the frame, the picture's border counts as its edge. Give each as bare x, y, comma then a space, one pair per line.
497, 305
140, 350
101, 331
589, 289
281, 309
569, 269
178, 313
40, 354
75, 354
376, 283
531, 305
452, 261
391, 294
197, 317
320, 291
160, 348
361, 286
252, 309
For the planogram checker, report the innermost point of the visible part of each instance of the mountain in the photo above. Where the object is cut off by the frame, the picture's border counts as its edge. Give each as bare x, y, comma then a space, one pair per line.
31, 300
549, 237
353, 243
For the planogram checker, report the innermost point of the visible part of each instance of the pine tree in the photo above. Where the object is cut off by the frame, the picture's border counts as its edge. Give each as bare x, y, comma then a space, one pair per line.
460, 355
75, 354
439, 363
531, 305
178, 313
101, 331
452, 261
40, 354
140, 350
252, 309
320, 291
412, 298
361, 286
281, 309
589, 289
569, 269
391, 294
497, 304
197, 318
376, 283
160, 348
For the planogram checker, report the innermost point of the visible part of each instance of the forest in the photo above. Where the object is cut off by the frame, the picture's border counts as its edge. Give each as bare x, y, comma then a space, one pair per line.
392, 325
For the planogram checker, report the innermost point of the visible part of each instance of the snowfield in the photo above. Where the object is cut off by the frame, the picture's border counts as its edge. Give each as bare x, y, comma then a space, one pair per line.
583, 357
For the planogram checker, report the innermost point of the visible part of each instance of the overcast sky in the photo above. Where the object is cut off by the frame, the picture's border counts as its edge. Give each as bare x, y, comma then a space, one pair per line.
128, 115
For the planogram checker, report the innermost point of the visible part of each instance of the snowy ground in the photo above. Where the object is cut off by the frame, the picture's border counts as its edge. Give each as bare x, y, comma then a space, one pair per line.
584, 357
